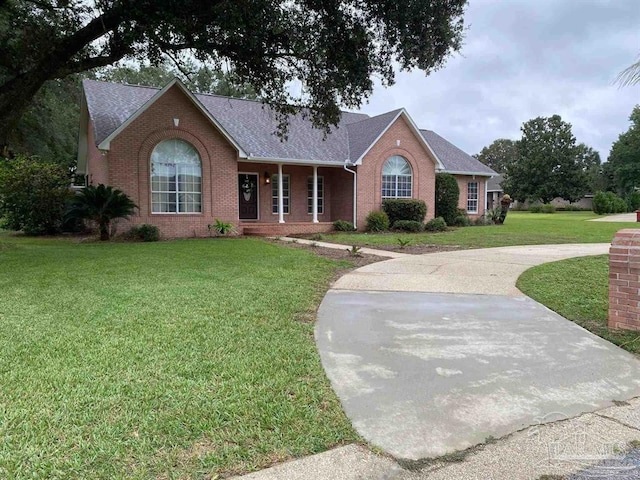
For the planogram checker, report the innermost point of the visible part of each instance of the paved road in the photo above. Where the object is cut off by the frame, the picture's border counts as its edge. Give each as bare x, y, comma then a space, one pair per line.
423, 374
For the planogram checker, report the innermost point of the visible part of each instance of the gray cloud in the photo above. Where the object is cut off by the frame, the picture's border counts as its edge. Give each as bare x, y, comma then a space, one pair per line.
523, 59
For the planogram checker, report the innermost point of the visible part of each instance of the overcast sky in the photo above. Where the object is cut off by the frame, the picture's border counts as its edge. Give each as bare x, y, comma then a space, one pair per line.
527, 58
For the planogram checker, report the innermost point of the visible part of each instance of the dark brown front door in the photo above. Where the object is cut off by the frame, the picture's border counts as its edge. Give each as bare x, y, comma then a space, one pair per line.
248, 196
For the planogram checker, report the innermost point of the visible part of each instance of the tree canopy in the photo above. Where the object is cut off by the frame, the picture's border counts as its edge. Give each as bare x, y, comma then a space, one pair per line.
624, 159
333, 48
549, 163
499, 154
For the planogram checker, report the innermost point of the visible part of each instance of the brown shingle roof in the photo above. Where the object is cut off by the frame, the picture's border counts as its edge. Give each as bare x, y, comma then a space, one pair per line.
454, 159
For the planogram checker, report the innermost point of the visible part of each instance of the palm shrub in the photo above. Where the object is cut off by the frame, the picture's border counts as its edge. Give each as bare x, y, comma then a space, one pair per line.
101, 204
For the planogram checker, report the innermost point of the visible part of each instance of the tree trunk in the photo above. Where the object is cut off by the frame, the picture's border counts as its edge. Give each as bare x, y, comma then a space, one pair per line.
104, 231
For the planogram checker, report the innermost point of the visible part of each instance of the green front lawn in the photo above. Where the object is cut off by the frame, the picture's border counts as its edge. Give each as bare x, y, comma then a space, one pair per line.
175, 359
577, 289
520, 228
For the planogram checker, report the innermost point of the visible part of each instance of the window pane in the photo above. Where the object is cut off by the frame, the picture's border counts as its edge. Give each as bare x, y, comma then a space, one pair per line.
310, 194
285, 193
396, 165
472, 197
176, 168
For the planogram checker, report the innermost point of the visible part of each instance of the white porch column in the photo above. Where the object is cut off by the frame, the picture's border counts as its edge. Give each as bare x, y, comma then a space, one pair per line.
315, 194
280, 195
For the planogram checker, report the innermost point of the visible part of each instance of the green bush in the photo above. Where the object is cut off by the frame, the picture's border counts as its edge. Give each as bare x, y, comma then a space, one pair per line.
377, 221
436, 225
33, 195
493, 215
535, 207
461, 219
404, 209
447, 197
408, 226
343, 226
608, 202
548, 208
482, 222
601, 203
633, 201
145, 233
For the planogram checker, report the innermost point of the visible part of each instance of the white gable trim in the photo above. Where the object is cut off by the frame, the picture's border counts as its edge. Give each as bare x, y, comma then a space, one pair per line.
106, 143
416, 132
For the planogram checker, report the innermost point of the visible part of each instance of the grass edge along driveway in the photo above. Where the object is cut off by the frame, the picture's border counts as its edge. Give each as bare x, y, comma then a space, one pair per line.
177, 359
578, 289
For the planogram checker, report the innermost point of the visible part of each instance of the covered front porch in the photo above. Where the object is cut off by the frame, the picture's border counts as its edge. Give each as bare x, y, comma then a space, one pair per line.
284, 199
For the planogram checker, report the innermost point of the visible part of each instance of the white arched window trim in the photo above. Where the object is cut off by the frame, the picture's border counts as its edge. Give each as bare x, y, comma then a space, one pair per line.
397, 178
176, 178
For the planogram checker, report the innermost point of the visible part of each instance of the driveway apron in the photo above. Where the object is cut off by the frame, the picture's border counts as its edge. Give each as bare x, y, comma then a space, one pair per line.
436, 353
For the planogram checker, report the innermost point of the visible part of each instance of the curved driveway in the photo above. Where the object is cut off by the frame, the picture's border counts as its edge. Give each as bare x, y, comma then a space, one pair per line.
435, 353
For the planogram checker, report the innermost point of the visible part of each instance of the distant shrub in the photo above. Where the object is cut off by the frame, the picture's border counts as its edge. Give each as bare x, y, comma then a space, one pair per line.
461, 219
572, 208
145, 233
608, 202
343, 226
535, 207
408, 225
436, 225
447, 197
548, 208
404, 209
377, 221
493, 215
633, 201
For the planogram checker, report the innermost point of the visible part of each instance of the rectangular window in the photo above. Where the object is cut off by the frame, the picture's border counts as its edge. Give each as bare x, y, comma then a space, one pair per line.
320, 195
176, 188
472, 197
285, 193
396, 186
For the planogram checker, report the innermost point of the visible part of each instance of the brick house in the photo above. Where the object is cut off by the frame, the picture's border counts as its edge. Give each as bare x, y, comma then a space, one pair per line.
187, 159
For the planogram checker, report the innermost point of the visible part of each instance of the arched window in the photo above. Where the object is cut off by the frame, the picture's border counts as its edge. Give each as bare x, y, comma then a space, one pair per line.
176, 178
396, 178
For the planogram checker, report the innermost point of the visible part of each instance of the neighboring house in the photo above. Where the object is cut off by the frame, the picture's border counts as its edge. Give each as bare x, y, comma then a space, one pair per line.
188, 159
494, 191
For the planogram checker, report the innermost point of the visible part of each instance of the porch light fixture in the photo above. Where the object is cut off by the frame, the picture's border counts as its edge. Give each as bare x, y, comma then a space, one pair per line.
267, 178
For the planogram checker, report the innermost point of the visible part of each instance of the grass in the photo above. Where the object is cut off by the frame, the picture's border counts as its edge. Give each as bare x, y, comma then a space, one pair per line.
179, 359
577, 289
520, 228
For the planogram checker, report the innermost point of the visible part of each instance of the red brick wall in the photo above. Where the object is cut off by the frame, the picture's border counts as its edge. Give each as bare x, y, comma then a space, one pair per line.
341, 197
129, 165
370, 172
462, 184
97, 167
624, 280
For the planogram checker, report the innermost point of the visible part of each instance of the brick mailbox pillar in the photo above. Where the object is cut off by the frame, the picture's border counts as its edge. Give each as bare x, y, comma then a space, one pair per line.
624, 280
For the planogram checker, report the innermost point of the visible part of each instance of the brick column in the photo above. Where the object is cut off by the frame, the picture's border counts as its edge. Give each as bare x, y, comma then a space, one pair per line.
624, 280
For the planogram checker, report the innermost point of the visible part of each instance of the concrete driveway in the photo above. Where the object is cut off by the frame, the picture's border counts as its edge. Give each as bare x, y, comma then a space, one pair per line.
425, 366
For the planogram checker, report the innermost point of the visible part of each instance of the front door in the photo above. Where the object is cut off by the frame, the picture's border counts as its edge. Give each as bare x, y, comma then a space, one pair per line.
248, 196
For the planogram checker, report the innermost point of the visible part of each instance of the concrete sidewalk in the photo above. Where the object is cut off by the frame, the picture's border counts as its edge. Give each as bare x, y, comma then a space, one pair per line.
536, 415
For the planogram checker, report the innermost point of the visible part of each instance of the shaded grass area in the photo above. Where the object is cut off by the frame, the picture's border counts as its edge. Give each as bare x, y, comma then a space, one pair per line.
175, 359
520, 228
577, 289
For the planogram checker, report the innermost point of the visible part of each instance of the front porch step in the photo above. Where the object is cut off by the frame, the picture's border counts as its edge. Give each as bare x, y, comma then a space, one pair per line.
284, 229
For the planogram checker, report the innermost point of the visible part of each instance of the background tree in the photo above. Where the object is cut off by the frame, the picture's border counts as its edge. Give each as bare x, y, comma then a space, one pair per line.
333, 47
589, 160
550, 164
447, 197
499, 154
624, 158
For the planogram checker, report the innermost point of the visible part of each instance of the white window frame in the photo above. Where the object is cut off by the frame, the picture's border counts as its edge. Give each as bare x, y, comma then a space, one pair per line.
286, 193
395, 178
472, 198
310, 195
177, 191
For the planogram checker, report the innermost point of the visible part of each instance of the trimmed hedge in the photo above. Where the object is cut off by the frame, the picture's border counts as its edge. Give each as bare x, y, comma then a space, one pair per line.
608, 202
377, 221
436, 225
145, 232
404, 209
548, 208
447, 197
343, 226
408, 225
